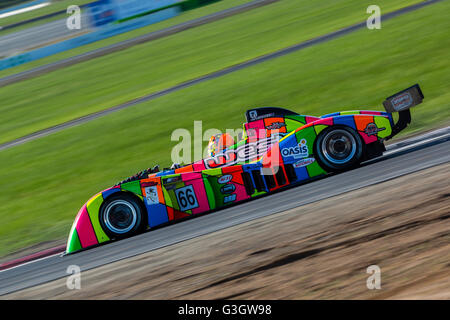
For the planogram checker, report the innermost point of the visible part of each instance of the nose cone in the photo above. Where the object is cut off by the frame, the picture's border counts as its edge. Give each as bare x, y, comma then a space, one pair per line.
86, 230
82, 234
73, 242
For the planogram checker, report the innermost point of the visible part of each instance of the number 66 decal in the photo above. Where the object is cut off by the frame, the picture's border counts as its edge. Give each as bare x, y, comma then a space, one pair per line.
186, 198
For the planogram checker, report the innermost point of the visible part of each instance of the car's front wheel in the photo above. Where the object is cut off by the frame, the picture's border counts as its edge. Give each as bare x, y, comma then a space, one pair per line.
121, 216
338, 148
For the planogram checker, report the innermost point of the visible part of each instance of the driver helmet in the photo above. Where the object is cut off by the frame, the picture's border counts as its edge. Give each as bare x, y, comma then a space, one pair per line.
219, 143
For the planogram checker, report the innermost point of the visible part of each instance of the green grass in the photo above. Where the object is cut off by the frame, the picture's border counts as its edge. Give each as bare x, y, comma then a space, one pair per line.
72, 92
183, 17
46, 181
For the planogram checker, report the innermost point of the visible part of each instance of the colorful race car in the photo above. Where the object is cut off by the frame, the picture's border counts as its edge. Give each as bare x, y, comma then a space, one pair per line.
279, 148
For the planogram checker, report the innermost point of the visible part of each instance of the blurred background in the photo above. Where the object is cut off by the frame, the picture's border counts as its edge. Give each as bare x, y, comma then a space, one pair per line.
82, 108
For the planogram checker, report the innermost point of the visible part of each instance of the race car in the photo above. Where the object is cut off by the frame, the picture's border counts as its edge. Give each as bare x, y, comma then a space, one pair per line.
279, 148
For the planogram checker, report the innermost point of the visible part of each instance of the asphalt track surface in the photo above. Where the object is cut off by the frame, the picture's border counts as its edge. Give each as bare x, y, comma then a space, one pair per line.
400, 161
38, 36
214, 75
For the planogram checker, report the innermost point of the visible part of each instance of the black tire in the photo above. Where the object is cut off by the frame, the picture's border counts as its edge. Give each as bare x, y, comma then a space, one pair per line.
338, 148
122, 215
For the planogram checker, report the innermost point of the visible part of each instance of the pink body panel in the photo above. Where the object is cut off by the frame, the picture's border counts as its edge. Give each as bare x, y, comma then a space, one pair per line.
195, 179
84, 228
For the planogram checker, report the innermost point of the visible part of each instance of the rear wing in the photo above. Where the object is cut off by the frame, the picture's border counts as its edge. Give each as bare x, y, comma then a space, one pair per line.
404, 100
401, 102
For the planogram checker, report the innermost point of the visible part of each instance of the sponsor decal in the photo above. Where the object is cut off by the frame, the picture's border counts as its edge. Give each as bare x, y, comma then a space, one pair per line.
242, 154
253, 114
372, 129
151, 195
299, 151
228, 188
276, 126
403, 101
148, 184
186, 198
230, 198
303, 162
224, 179
172, 179
269, 115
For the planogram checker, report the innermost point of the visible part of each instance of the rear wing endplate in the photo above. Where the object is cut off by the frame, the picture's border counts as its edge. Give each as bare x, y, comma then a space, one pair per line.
404, 100
401, 102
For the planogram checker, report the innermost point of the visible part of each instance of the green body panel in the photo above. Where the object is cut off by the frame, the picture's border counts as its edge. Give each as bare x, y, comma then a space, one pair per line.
213, 172
296, 118
294, 122
134, 186
310, 135
209, 193
93, 208
318, 129
73, 244
171, 194
167, 199
314, 169
382, 122
215, 186
350, 112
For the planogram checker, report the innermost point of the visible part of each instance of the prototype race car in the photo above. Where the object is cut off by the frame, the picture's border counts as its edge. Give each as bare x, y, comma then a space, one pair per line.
279, 148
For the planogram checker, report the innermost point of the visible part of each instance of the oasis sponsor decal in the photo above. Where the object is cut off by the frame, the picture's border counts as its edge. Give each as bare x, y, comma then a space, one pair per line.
224, 179
299, 151
372, 129
303, 163
228, 188
242, 154
151, 195
401, 102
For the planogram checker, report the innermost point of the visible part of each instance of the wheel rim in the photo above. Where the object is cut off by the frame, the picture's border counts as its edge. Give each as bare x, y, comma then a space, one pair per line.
120, 216
339, 146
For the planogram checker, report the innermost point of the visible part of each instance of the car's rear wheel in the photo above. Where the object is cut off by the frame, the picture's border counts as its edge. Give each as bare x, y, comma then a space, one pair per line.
121, 216
338, 148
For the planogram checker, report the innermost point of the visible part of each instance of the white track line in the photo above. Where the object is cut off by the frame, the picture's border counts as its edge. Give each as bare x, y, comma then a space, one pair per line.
397, 148
16, 12
31, 261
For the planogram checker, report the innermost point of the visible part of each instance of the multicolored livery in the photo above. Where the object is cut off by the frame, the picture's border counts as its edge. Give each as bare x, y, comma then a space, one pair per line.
279, 148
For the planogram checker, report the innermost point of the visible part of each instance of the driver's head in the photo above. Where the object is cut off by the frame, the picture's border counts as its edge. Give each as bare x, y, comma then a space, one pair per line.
219, 143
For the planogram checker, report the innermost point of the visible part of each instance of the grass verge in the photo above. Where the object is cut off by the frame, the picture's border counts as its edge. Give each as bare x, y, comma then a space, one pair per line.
68, 93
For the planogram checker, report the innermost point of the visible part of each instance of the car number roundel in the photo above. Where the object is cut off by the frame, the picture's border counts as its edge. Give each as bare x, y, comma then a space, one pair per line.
186, 198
